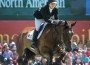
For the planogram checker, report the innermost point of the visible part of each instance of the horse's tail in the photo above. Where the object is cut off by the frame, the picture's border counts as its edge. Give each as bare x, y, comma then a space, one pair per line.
20, 44
20, 38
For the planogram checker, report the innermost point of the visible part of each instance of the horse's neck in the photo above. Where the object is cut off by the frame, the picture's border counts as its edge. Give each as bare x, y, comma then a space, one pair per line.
50, 29
48, 33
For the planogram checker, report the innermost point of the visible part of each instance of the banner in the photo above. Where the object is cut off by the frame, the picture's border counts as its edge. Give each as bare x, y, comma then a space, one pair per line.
28, 3
10, 29
87, 7
24, 9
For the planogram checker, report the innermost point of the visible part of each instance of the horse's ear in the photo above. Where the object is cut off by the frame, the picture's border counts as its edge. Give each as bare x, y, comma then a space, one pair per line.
65, 23
73, 24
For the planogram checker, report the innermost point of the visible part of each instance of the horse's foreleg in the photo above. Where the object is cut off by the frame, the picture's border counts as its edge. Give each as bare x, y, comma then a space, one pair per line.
62, 58
51, 57
62, 55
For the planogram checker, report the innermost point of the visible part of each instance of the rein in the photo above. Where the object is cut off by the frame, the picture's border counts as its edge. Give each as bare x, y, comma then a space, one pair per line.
60, 43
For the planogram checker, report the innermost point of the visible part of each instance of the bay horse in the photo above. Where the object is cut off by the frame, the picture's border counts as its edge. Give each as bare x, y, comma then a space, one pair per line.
49, 43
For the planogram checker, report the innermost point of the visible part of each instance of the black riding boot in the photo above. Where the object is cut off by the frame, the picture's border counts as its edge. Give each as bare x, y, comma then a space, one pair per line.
34, 40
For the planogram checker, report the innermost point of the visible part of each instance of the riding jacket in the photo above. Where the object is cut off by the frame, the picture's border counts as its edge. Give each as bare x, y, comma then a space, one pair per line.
44, 13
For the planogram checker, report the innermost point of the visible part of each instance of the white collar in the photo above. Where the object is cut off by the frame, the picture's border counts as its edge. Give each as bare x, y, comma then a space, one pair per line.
50, 9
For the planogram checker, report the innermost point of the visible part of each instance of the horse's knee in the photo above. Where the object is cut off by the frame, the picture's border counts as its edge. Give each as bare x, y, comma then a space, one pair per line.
62, 55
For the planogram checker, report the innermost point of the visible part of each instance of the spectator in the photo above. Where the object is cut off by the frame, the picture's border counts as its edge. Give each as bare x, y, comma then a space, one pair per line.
7, 55
74, 46
30, 62
0, 50
14, 48
14, 58
88, 52
80, 46
37, 60
1, 57
85, 48
78, 58
88, 44
44, 61
5, 45
12, 43
85, 59
68, 60
89, 60
74, 56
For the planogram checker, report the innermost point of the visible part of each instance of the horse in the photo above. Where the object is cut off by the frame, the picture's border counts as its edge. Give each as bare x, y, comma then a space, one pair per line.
53, 37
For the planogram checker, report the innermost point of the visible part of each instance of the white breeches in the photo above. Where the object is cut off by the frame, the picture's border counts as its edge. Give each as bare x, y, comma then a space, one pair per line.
38, 23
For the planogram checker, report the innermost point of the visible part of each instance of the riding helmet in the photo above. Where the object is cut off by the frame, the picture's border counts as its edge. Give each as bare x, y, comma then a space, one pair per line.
52, 1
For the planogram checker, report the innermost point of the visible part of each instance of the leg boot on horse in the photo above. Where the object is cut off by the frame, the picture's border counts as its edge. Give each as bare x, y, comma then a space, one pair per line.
34, 40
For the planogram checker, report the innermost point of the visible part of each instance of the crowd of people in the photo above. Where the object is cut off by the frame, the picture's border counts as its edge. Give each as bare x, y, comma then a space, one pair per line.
8, 55
79, 55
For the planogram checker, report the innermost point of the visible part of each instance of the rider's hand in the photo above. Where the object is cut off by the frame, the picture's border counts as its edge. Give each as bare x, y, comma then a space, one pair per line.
54, 21
49, 21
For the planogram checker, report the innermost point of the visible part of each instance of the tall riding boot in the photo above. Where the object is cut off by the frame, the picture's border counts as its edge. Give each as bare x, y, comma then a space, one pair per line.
34, 40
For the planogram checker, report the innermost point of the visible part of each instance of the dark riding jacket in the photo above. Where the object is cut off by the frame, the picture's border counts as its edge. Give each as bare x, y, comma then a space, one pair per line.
45, 14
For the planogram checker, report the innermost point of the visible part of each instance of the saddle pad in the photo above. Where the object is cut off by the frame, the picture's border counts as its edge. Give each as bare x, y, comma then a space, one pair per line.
30, 35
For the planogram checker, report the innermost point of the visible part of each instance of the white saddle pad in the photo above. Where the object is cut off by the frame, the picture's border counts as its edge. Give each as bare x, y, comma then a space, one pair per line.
30, 35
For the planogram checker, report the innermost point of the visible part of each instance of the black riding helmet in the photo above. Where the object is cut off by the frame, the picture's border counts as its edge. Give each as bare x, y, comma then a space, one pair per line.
51, 1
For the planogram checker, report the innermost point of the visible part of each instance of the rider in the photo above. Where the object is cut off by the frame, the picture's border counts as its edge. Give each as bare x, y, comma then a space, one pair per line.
44, 14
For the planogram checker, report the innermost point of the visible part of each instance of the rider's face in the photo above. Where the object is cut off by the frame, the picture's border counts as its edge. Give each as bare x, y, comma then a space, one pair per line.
52, 5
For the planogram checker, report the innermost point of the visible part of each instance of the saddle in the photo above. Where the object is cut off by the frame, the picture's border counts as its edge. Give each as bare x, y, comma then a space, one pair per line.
42, 28
30, 33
